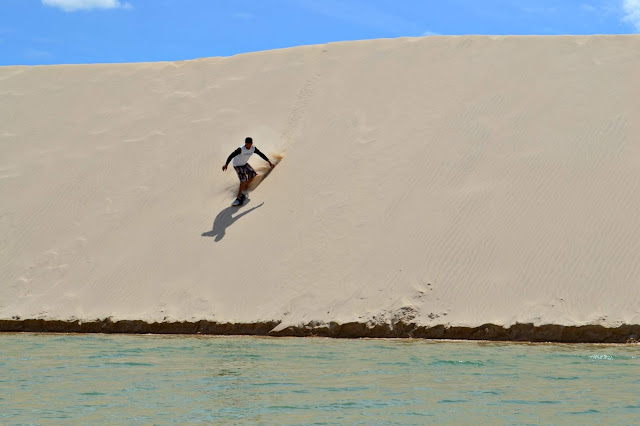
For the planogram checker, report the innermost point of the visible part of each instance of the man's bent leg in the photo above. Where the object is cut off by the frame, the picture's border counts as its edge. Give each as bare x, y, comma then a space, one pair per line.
243, 186
249, 182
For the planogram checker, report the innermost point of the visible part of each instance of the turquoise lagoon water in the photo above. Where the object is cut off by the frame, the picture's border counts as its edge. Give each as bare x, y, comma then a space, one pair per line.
92, 379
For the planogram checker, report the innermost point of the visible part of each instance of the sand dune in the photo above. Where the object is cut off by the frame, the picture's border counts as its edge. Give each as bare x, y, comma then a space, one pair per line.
440, 181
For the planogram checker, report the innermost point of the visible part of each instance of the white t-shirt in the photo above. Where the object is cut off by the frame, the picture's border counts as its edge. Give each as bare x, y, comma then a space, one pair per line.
242, 158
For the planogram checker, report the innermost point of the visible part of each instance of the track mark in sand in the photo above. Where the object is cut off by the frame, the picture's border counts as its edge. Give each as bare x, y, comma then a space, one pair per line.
11, 74
181, 95
362, 130
227, 111
471, 132
9, 176
299, 110
150, 135
98, 132
8, 171
200, 120
465, 42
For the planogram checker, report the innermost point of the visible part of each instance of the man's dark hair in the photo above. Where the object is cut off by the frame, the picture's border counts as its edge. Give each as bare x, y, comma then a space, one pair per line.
248, 140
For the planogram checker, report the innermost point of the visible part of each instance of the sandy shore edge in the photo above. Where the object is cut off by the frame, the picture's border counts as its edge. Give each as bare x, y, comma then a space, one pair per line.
627, 333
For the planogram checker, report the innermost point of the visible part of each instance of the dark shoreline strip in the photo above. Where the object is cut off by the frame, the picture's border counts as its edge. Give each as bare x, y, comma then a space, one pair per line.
518, 332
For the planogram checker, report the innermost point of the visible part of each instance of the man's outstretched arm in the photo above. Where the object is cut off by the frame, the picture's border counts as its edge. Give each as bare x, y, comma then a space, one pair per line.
264, 157
233, 154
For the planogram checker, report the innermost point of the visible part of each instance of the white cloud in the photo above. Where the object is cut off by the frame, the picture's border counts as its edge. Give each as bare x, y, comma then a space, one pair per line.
632, 12
74, 5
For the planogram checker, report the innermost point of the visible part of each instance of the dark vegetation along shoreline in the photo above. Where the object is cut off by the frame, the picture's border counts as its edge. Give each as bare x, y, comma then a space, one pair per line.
517, 333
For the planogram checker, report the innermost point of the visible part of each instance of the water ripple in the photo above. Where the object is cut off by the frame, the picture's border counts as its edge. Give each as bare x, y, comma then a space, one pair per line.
172, 379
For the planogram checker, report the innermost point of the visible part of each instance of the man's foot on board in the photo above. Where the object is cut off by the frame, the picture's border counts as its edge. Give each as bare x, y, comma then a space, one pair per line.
237, 201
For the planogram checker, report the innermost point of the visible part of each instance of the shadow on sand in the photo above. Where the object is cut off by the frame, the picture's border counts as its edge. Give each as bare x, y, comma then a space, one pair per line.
225, 219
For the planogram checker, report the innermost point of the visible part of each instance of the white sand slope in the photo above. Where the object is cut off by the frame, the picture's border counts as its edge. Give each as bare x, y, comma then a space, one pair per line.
448, 180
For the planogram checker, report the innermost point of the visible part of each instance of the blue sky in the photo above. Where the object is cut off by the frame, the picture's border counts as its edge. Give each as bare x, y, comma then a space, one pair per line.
34, 32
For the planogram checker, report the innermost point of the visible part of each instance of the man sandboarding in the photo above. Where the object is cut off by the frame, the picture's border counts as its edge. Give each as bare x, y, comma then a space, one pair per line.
244, 170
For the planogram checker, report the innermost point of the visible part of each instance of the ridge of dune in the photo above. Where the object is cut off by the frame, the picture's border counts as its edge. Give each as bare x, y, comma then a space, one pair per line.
440, 181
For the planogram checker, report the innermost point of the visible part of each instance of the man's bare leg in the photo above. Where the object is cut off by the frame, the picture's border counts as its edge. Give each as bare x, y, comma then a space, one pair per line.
243, 186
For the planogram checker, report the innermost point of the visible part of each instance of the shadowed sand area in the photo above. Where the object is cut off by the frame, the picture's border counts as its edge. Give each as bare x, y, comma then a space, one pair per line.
449, 187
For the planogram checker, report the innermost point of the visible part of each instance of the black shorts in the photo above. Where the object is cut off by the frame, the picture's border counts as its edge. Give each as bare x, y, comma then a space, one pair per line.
245, 172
